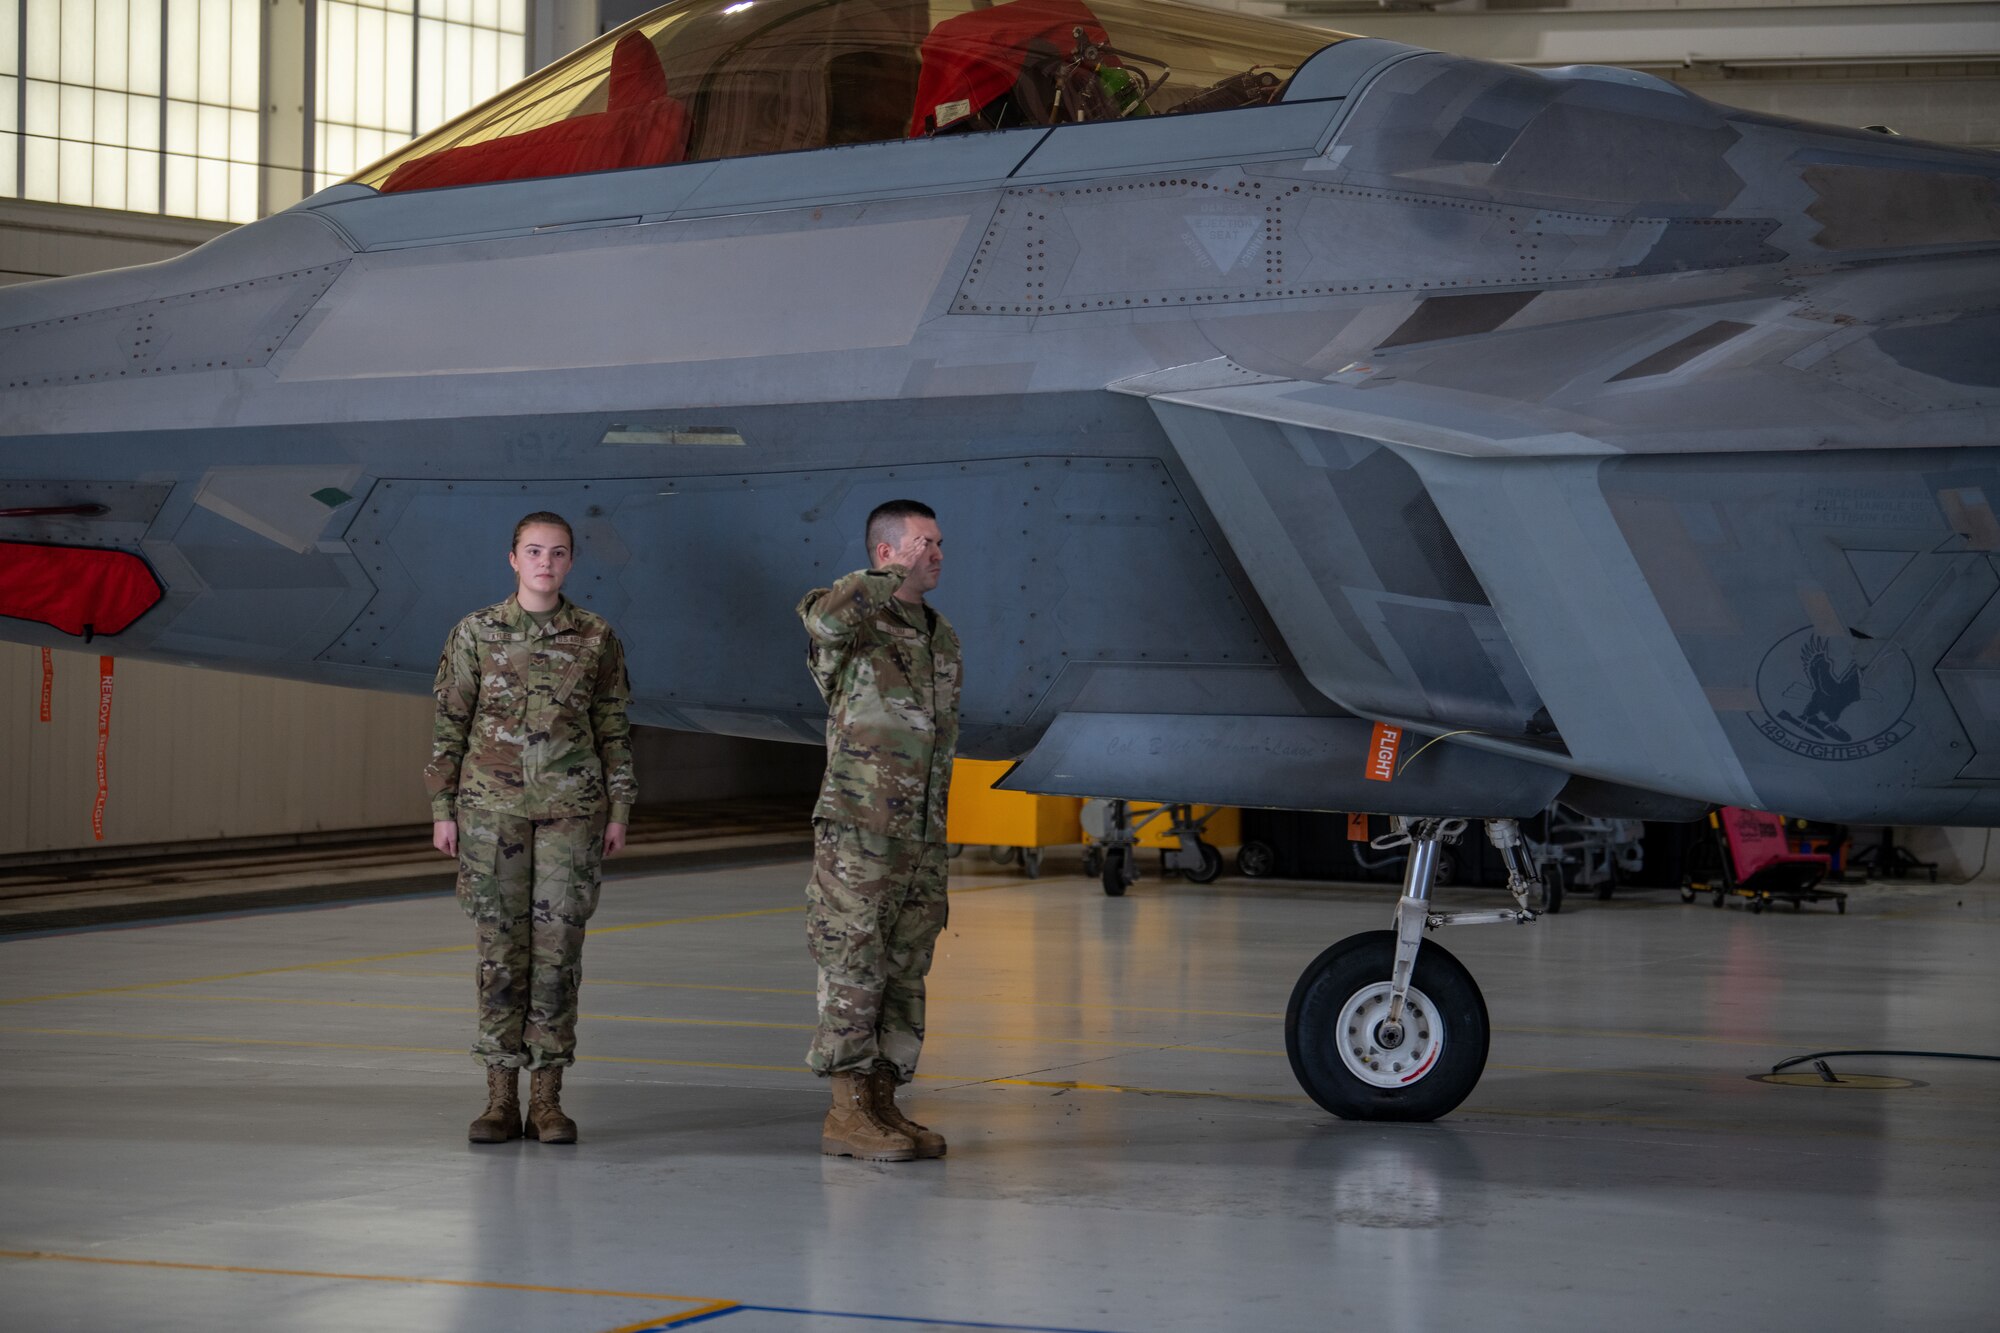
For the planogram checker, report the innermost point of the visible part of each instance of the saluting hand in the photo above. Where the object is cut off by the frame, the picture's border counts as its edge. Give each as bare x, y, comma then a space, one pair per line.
910, 554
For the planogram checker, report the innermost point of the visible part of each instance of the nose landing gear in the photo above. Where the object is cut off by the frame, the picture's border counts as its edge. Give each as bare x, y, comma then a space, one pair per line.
1413, 1046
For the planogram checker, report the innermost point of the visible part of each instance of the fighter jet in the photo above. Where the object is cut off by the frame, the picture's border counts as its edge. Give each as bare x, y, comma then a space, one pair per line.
1316, 422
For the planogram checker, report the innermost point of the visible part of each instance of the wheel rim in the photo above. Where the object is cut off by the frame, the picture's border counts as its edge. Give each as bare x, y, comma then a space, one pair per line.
1359, 1034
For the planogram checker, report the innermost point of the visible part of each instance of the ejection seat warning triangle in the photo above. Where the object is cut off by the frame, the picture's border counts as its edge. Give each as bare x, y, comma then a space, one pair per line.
1224, 237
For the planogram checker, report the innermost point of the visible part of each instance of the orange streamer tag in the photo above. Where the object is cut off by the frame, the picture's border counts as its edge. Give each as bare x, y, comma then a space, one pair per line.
48, 683
1382, 750
103, 746
1357, 828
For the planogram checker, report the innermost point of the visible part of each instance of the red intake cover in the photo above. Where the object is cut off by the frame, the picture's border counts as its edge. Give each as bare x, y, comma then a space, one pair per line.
77, 589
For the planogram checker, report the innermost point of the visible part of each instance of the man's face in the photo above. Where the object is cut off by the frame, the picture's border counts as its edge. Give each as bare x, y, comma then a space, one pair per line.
541, 558
925, 569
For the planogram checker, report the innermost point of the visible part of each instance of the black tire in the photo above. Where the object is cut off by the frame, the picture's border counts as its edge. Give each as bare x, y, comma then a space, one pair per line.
1093, 861
1353, 965
1031, 862
1114, 871
1756, 905
1554, 881
1211, 864
1716, 901
1256, 860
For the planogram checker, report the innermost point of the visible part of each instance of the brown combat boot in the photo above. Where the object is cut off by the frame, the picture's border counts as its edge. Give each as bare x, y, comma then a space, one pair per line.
852, 1130
546, 1121
501, 1120
882, 1084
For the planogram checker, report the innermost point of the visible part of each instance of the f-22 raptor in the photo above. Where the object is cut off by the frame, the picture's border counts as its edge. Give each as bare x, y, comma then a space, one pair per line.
1332, 423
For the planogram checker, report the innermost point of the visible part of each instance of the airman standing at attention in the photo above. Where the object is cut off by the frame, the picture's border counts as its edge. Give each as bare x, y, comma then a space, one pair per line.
531, 787
888, 667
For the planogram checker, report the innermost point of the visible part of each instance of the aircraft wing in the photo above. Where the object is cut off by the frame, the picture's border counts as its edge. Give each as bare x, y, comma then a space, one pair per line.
1536, 536
1890, 356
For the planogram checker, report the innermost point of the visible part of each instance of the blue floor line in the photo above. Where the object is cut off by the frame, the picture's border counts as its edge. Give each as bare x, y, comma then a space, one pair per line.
689, 1321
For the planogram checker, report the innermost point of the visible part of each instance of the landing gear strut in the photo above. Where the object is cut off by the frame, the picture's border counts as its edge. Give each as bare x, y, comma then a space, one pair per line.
1381, 1028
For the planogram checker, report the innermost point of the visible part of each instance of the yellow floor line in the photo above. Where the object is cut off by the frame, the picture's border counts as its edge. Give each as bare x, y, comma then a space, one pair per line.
365, 958
703, 1304
947, 1002
1127, 1087
715, 1307
968, 1080
934, 1034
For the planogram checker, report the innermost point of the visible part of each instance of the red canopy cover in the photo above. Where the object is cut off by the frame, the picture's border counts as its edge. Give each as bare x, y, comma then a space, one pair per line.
976, 56
641, 126
77, 589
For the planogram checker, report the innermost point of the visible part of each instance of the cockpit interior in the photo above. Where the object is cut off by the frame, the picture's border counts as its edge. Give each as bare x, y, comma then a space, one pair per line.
699, 80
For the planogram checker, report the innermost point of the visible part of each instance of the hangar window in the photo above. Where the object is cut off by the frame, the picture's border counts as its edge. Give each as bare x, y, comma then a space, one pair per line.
706, 79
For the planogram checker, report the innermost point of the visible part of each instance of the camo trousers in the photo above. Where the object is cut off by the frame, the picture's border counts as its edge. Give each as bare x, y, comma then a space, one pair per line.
528, 885
874, 907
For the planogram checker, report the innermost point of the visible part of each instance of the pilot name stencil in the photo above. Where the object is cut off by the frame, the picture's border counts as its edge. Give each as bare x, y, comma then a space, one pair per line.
1821, 703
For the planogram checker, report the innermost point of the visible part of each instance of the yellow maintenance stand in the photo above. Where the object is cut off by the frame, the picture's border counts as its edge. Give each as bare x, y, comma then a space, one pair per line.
1016, 824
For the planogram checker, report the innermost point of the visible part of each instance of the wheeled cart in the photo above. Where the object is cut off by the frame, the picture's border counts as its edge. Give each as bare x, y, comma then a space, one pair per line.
1115, 830
1745, 855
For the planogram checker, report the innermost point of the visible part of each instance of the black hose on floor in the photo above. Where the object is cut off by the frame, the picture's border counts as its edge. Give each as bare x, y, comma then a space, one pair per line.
1924, 1055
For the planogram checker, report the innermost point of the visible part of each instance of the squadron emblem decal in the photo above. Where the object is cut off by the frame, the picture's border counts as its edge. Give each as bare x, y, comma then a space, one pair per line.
1824, 703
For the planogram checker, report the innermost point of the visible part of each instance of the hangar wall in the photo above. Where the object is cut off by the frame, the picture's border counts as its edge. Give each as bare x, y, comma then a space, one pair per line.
200, 756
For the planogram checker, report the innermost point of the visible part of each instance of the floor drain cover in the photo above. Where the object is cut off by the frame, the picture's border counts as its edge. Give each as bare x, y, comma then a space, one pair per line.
1808, 1078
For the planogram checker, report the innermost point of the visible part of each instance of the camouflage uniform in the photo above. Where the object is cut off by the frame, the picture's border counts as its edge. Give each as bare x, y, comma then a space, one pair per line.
889, 673
531, 747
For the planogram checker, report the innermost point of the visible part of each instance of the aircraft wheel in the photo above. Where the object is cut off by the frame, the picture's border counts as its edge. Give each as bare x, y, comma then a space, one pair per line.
1256, 860
1211, 864
1116, 876
1550, 898
1333, 1032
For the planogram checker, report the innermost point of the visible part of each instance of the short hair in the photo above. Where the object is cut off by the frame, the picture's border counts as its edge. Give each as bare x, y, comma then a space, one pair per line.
544, 518
893, 512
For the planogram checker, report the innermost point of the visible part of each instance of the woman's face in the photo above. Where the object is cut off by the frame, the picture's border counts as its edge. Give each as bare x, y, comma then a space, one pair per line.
541, 558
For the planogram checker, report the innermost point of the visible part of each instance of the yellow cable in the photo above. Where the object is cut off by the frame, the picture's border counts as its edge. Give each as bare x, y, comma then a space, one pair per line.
1464, 731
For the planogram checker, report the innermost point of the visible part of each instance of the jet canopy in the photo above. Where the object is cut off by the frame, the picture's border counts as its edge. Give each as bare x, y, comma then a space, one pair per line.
704, 79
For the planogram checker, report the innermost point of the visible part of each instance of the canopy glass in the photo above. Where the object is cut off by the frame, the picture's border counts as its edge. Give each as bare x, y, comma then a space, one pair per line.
705, 79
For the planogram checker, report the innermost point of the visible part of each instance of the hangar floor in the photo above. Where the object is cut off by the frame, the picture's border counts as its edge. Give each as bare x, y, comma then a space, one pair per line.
257, 1122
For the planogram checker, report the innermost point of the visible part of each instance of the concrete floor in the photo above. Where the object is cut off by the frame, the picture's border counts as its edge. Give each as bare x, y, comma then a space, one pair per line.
257, 1122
